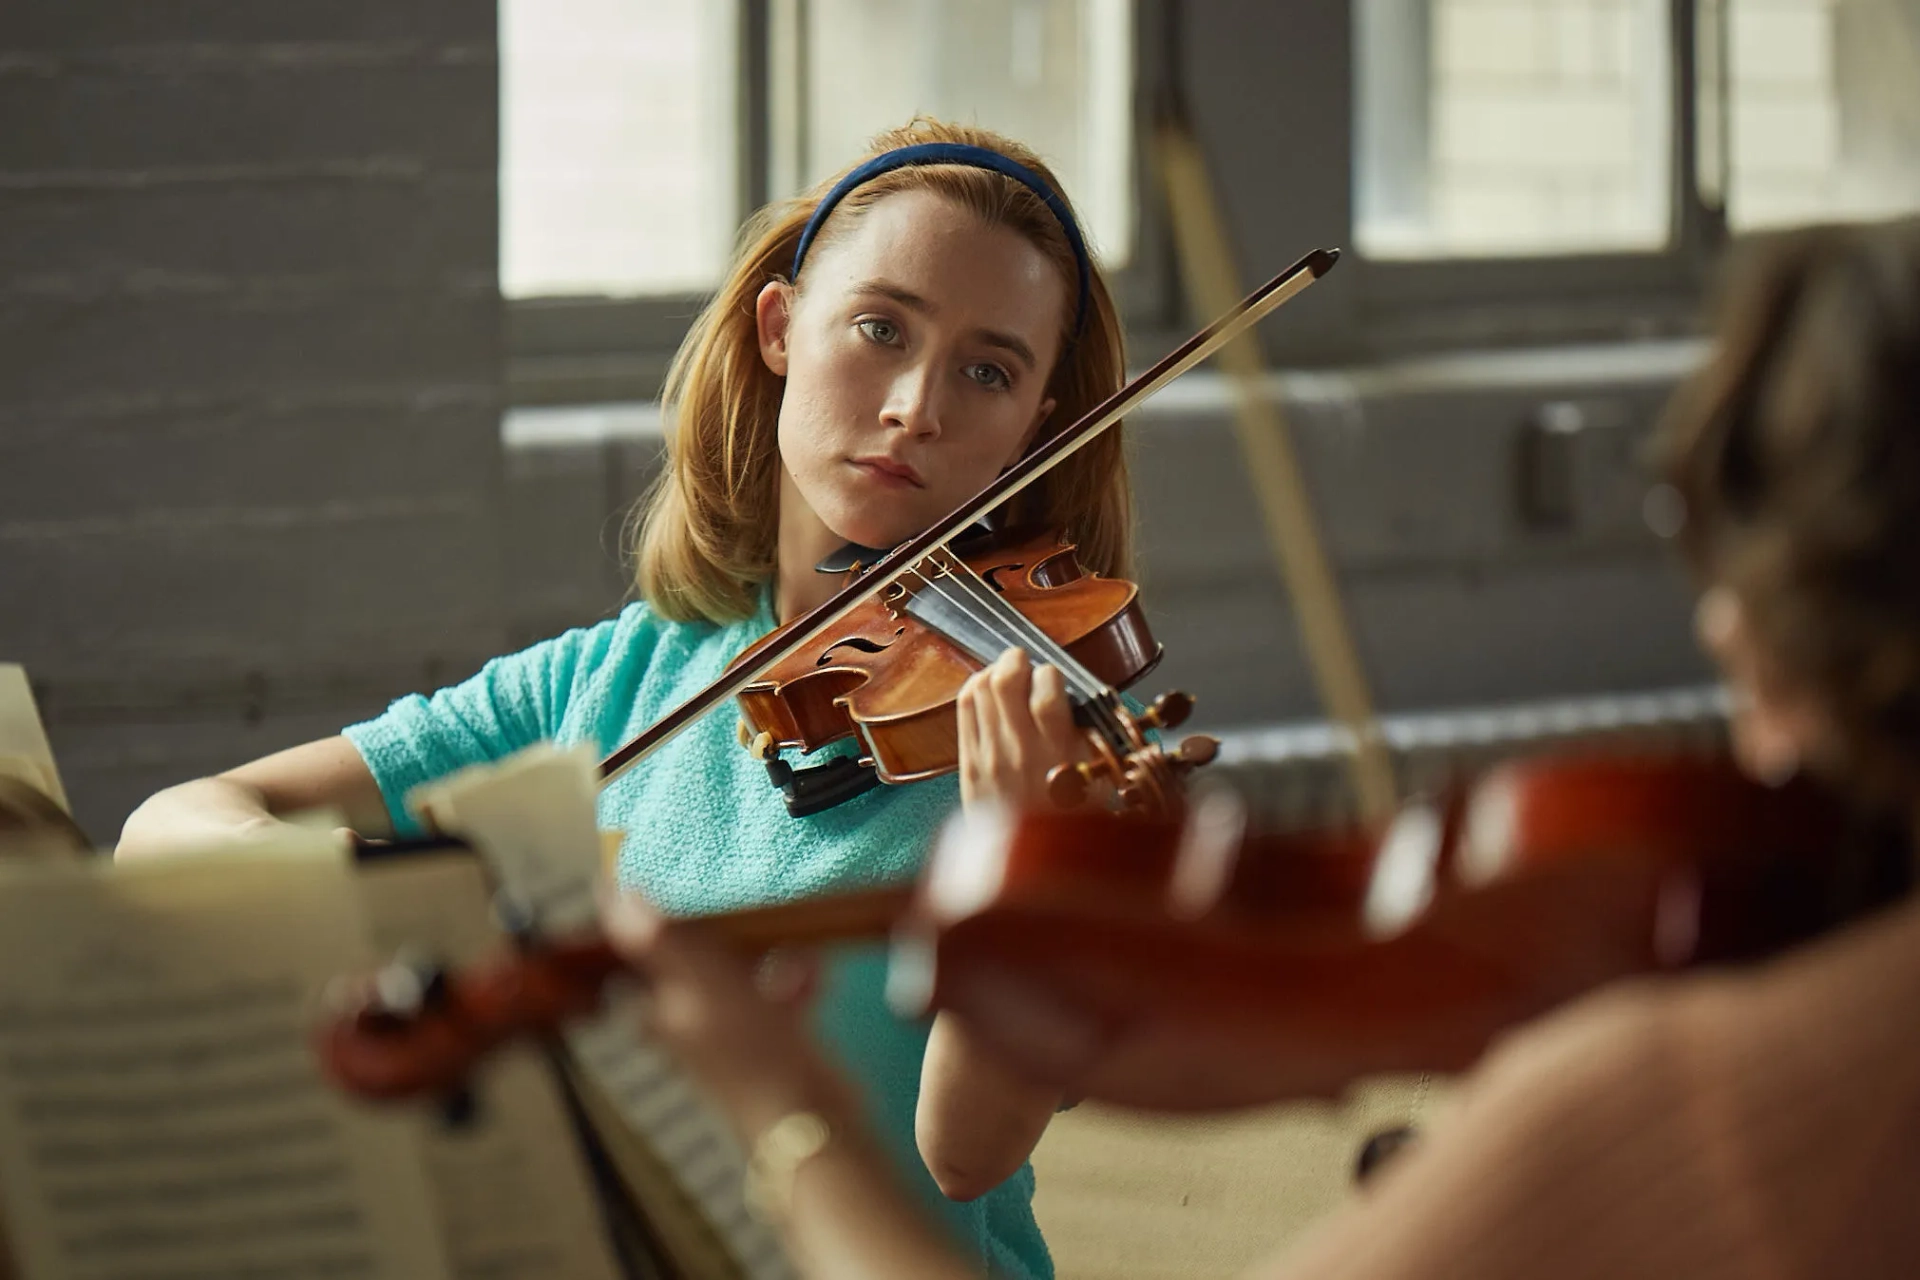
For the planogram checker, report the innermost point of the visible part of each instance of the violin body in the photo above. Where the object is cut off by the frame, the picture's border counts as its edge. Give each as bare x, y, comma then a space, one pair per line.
1219, 967
1222, 968
892, 680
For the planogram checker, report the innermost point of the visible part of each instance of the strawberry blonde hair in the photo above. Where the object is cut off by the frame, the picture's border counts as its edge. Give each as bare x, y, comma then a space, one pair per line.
705, 532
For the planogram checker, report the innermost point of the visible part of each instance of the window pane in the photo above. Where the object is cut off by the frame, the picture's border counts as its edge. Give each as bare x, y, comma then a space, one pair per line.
1506, 127
1055, 74
617, 145
1825, 99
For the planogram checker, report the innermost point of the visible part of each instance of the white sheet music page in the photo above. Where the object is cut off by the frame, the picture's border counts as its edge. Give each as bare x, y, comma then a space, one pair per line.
516, 1200
24, 751
161, 1114
533, 819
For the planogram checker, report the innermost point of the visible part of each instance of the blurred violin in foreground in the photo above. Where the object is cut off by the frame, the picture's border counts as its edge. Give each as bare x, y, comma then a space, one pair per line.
1293, 963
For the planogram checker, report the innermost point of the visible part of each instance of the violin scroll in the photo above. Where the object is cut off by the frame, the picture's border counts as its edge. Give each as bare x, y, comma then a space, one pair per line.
1147, 777
417, 1028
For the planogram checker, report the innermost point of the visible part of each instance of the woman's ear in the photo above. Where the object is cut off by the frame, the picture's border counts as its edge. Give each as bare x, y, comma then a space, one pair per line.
772, 315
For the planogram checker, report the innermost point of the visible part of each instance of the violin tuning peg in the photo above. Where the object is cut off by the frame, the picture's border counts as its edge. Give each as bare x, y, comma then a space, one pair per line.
1169, 711
1195, 751
1067, 784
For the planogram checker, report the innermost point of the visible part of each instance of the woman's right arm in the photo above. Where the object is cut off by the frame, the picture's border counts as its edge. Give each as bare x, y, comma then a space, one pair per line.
326, 774
841, 1207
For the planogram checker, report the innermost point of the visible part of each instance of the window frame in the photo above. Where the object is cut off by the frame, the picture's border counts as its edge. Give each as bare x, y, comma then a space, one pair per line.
1418, 306
599, 349
563, 350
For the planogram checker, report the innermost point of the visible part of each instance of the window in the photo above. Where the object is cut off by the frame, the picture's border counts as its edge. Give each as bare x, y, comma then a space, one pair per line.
1509, 170
1056, 74
618, 145
624, 152
1530, 127
1513, 126
1823, 108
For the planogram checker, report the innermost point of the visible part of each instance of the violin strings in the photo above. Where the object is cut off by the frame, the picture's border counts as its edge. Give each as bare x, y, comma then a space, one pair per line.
1021, 631
1098, 695
960, 601
1043, 644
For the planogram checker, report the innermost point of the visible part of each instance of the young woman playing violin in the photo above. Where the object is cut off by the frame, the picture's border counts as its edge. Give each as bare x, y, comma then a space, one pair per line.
881, 348
1754, 1122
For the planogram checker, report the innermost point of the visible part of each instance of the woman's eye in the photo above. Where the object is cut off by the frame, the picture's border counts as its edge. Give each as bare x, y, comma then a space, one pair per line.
989, 375
882, 331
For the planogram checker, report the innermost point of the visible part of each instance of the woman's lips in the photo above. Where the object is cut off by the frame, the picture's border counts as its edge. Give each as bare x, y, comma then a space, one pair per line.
887, 471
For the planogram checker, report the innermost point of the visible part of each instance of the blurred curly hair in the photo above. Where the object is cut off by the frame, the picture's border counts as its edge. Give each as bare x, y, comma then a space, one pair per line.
1797, 453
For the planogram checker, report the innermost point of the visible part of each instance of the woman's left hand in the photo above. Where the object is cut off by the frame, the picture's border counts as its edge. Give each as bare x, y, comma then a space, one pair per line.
1015, 726
741, 1030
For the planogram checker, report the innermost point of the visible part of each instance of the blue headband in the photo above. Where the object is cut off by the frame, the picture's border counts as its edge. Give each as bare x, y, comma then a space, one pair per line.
973, 158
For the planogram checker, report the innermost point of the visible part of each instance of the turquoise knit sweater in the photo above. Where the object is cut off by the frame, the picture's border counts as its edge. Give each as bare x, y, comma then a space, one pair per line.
706, 831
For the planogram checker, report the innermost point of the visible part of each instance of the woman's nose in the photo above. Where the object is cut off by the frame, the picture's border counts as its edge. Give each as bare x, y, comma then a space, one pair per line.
913, 402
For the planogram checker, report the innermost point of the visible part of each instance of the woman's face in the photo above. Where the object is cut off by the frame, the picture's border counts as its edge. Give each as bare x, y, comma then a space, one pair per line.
916, 361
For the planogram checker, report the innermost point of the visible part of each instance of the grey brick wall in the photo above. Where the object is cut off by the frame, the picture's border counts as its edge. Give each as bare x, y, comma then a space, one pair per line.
1458, 592
250, 473
252, 482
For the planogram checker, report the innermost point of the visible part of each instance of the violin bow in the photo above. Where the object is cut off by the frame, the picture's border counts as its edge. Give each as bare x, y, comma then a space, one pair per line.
1250, 310
1273, 466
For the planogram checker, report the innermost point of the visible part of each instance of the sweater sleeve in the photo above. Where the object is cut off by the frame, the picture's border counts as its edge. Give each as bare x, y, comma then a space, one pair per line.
510, 703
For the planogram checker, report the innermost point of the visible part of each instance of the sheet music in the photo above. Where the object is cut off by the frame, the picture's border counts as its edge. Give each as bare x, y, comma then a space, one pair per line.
161, 1115
515, 1196
533, 818
657, 1100
24, 751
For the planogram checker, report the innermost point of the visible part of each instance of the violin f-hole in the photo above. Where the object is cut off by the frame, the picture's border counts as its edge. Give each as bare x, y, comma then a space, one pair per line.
993, 582
861, 643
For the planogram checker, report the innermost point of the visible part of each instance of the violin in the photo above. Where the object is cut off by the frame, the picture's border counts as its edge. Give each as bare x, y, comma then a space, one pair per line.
893, 666
1227, 966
